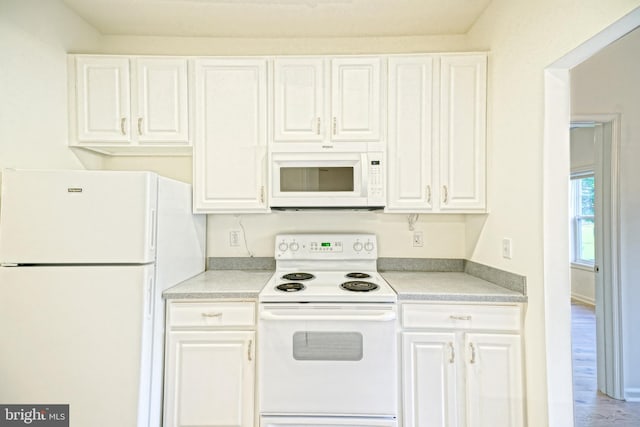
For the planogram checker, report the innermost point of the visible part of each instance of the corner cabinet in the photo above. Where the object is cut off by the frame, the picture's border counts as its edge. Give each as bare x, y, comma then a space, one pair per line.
327, 100
437, 141
129, 105
210, 364
462, 365
230, 148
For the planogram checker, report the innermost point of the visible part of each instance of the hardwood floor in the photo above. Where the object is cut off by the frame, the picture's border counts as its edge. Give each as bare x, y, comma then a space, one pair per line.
592, 408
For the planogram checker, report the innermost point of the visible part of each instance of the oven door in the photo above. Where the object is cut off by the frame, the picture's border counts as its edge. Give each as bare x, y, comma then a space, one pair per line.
328, 359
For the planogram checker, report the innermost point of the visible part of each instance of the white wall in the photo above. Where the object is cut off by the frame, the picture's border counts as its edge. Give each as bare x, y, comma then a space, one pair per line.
608, 83
34, 39
525, 37
582, 148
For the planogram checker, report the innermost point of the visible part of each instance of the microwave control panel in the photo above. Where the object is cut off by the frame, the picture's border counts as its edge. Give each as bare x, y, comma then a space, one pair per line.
376, 180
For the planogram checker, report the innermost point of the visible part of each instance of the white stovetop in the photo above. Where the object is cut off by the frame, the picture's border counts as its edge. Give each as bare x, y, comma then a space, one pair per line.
325, 287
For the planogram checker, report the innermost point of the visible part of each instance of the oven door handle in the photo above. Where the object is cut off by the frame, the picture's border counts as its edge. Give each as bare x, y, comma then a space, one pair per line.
381, 317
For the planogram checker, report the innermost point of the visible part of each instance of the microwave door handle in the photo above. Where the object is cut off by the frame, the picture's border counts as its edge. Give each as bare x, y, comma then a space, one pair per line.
364, 166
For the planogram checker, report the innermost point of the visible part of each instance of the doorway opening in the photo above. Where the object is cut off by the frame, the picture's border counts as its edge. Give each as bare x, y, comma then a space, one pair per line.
556, 159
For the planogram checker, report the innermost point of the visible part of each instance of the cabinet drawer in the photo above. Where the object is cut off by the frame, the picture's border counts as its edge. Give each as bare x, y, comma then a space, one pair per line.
211, 314
461, 316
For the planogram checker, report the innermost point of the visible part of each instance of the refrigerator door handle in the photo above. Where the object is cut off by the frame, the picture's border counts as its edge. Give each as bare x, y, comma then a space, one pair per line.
153, 229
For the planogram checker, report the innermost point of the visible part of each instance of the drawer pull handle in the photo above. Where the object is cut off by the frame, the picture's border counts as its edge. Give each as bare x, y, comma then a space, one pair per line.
460, 317
211, 314
453, 353
249, 350
473, 353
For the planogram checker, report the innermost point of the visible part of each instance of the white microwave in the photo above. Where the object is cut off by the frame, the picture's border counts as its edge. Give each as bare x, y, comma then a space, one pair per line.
327, 180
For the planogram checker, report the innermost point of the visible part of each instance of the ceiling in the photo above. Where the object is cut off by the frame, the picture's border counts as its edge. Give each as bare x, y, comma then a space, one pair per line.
280, 18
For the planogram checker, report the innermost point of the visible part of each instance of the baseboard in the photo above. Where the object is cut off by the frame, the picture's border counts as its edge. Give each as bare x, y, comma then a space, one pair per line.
583, 299
632, 394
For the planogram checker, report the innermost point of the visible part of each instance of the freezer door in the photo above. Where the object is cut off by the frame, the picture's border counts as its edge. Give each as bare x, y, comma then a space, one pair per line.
77, 217
80, 336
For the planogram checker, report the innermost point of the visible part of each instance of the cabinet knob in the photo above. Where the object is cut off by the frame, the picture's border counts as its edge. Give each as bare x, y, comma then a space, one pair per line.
139, 125
445, 194
473, 353
453, 353
123, 122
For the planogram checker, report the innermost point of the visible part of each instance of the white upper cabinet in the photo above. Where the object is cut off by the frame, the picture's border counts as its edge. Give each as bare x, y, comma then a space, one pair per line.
437, 115
230, 156
130, 105
410, 149
355, 99
162, 100
327, 100
103, 102
463, 98
299, 91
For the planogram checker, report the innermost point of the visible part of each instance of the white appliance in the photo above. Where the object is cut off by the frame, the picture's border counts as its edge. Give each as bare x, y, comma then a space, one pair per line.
335, 178
85, 257
328, 354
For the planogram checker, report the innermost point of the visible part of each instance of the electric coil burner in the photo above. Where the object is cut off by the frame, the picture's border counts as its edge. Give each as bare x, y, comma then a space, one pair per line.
358, 275
290, 287
359, 286
298, 276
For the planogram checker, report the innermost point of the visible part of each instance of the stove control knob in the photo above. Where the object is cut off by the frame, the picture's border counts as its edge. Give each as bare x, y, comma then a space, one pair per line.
283, 246
294, 246
368, 246
357, 246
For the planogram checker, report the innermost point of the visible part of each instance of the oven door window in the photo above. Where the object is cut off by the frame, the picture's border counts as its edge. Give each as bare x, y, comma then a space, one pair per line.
335, 346
311, 179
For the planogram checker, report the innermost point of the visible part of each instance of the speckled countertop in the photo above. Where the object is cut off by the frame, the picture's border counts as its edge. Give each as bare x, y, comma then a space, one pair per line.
221, 284
410, 285
449, 286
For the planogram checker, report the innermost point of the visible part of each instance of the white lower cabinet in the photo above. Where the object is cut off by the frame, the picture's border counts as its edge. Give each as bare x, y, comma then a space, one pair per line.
209, 365
462, 366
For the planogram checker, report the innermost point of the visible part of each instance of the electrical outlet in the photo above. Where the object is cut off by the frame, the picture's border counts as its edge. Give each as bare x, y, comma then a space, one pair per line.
234, 238
417, 239
506, 248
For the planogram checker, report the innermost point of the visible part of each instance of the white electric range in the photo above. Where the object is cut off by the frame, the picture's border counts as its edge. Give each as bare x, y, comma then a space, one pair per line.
328, 352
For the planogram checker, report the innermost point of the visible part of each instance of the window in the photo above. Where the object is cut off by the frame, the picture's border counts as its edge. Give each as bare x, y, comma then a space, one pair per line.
582, 218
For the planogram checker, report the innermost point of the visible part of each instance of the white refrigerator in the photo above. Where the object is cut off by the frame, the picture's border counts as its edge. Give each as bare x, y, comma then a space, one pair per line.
85, 258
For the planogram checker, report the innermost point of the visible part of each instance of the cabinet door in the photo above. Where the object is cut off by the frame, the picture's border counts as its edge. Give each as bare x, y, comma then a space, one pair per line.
429, 379
209, 379
410, 146
162, 100
103, 99
494, 380
230, 146
355, 99
462, 132
299, 92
